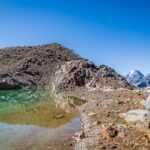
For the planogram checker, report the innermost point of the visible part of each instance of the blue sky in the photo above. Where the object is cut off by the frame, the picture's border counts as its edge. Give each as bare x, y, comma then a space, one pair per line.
111, 32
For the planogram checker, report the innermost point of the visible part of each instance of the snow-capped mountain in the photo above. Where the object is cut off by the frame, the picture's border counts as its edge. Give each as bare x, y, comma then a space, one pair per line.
145, 82
134, 77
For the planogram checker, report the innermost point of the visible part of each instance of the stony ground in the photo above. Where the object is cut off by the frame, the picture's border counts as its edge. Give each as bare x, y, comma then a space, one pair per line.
103, 128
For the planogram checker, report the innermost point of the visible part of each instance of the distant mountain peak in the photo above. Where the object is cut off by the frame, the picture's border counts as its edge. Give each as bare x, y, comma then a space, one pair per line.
135, 73
136, 78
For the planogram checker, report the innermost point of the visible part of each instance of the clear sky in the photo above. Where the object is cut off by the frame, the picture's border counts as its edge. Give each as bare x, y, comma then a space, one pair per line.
111, 32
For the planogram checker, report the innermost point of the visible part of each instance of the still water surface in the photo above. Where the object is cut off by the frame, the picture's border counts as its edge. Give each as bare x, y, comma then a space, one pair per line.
33, 120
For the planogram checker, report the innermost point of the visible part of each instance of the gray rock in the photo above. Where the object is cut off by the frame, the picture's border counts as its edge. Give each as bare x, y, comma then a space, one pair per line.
137, 115
148, 103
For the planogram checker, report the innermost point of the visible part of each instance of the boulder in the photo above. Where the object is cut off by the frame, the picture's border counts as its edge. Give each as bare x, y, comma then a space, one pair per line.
135, 116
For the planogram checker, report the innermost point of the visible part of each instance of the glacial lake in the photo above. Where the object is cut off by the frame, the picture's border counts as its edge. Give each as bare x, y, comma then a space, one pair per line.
35, 119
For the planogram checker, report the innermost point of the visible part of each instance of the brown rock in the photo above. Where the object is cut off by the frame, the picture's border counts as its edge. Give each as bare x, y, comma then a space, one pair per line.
102, 147
80, 135
120, 102
108, 131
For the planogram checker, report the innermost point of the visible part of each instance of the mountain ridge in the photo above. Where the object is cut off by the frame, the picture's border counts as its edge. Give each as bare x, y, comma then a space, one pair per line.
36, 67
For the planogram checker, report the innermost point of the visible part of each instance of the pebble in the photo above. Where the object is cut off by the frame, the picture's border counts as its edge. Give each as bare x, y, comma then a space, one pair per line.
108, 131
97, 123
120, 102
92, 114
102, 147
113, 146
80, 135
59, 116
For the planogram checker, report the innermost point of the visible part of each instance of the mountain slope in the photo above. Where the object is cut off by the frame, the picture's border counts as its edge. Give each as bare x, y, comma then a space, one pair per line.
34, 65
37, 66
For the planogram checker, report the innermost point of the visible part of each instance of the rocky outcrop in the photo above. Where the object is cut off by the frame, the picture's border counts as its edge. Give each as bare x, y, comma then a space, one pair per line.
74, 73
81, 73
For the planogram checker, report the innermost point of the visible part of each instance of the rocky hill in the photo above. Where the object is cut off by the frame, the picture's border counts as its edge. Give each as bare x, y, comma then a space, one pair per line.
31, 66
54, 66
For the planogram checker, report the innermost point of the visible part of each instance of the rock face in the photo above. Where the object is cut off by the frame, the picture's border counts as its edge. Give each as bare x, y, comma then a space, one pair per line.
74, 73
84, 73
32, 66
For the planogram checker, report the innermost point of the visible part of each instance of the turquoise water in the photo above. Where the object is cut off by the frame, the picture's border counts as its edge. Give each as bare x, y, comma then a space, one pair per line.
36, 107
36, 119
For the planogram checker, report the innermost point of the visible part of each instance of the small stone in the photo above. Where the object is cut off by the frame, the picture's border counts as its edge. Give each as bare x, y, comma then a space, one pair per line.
143, 103
108, 131
92, 114
120, 102
102, 147
59, 116
113, 146
80, 135
97, 122
147, 105
83, 110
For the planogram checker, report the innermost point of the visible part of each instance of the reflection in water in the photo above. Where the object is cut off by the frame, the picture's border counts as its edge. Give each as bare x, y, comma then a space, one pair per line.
20, 137
35, 120
32, 108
